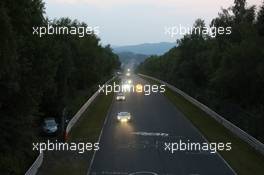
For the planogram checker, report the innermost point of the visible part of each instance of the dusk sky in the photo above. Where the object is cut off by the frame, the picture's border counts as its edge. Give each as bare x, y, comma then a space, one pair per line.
126, 22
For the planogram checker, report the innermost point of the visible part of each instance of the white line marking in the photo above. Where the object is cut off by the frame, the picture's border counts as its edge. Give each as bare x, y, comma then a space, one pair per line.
151, 134
108, 113
143, 172
114, 172
217, 153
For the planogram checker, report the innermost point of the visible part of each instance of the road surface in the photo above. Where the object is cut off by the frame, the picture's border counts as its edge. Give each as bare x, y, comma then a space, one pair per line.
138, 147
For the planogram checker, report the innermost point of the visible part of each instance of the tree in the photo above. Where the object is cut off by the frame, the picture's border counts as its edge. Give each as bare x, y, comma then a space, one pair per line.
260, 20
221, 71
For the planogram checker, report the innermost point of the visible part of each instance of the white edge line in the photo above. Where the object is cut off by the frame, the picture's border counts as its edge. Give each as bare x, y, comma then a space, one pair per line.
219, 155
99, 138
198, 131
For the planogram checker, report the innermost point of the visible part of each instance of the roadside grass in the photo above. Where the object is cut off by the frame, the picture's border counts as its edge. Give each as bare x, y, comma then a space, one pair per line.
87, 129
90, 124
244, 159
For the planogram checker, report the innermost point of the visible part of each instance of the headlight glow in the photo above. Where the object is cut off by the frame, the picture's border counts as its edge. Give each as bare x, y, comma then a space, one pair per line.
126, 87
124, 120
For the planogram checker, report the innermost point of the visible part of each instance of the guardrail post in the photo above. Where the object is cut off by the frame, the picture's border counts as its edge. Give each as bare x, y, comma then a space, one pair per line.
65, 136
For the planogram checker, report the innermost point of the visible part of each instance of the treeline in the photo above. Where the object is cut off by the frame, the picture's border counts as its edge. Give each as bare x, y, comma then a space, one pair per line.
40, 76
225, 72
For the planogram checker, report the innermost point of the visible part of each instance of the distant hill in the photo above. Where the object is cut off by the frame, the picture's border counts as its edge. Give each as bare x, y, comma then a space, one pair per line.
128, 57
146, 48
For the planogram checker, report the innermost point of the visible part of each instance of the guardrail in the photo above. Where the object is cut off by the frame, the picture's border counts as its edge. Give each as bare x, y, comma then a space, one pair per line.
35, 166
256, 144
38, 162
81, 111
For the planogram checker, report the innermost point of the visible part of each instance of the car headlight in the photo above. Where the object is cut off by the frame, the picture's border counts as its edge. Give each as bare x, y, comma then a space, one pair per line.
124, 120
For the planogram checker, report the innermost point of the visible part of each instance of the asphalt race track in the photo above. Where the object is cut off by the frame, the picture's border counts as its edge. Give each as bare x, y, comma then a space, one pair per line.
138, 147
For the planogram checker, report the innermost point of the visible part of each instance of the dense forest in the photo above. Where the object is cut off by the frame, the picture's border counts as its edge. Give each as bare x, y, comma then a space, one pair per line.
225, 72
40, 76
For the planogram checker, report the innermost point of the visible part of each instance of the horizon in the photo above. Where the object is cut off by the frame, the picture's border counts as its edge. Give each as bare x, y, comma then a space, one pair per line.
115, 46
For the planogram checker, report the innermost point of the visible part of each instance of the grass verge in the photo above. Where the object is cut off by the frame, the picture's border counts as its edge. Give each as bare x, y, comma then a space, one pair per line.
242, 158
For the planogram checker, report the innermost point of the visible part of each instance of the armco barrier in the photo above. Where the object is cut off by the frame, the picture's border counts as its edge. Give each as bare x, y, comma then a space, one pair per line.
35, 166
81, 111
230, 126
